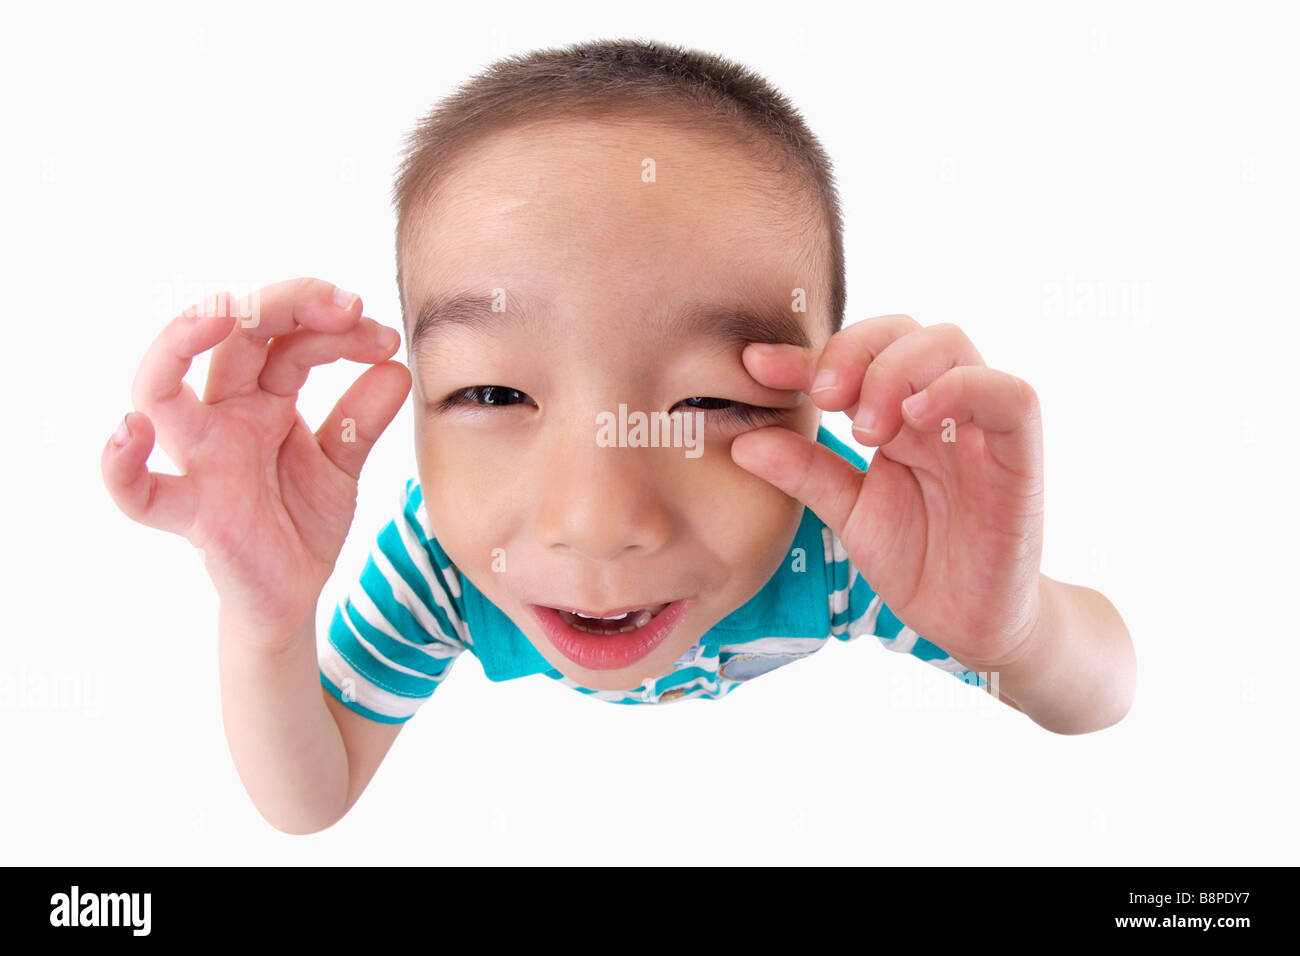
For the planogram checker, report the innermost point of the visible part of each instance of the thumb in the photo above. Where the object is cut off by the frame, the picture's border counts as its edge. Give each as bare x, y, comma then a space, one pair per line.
805, 470
362, 414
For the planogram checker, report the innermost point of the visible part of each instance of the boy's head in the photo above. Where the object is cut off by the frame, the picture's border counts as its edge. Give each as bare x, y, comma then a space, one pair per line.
601, 226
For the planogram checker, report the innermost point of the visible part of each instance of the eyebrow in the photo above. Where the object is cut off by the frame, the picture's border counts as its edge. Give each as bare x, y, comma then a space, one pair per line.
726, 325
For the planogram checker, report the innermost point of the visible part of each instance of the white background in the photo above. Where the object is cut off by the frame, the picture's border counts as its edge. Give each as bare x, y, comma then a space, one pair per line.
1103, 195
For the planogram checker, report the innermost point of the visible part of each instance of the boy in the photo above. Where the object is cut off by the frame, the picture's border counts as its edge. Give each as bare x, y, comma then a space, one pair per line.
581, 232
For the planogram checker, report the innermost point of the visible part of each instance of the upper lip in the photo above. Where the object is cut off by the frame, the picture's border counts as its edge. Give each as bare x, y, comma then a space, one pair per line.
610, 613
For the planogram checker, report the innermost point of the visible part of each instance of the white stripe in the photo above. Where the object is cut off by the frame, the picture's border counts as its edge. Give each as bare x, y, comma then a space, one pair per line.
420, 558
903, 643
435, 650
866, 622
839, 599
440, 647
449, 576
345, 677
948, 664
837, 549
839, 602
408, 598
778, 646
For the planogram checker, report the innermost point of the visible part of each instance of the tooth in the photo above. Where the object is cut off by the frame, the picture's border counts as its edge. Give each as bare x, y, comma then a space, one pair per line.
641, 619
590, 617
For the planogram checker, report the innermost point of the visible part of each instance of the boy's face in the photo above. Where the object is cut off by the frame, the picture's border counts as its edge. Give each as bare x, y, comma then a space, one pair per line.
595, 262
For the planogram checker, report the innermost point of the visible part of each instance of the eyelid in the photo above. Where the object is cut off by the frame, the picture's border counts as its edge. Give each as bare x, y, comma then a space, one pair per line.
742, 412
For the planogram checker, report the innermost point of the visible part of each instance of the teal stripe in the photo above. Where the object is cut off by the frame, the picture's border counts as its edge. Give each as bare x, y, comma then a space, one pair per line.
971, 677
352, 705
431, 545
927, 651
394, 549
860, 598
839, 574
887, 626
432, 549
395, 612
394, 650
435, 552
371, 668
380, 592
683, 676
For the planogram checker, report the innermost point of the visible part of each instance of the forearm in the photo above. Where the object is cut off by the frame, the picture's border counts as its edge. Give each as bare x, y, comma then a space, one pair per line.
284, 741
1077, 672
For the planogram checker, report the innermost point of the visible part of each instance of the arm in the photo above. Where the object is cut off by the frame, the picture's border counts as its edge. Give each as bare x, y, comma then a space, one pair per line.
1077, 671
268, 504
303, 758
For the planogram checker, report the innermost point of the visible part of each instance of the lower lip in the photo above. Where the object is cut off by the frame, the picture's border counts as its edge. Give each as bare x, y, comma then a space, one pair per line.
609, 652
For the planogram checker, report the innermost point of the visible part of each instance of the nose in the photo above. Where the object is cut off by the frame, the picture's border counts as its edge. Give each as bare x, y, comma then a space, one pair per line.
602, 502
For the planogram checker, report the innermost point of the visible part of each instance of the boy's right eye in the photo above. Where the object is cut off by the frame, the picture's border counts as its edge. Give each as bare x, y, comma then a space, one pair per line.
483, 396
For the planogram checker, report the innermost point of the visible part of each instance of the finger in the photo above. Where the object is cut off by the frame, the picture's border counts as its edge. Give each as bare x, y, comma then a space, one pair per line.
850, 353
166, 502
362, 414
832, 377
907, 365
805, 470
291, 357
780, 366
159, 389
1001, 405
276, 309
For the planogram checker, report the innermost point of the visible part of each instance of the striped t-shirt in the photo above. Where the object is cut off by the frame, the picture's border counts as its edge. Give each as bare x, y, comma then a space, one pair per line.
396, 633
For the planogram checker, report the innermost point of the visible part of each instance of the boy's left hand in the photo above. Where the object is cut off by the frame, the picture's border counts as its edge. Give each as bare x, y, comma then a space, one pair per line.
946, 524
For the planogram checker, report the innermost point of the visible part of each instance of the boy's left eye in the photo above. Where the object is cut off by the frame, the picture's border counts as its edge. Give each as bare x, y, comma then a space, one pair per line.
736, 411
491, 396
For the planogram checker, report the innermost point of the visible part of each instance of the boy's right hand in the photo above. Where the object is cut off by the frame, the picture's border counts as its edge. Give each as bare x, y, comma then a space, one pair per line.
268, 502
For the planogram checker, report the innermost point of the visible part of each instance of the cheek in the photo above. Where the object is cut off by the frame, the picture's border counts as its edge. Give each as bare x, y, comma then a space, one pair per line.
738, 520
462, 496
739, 517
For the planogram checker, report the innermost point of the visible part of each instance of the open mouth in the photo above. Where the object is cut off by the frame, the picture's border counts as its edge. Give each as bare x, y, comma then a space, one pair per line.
610, 639
612, 623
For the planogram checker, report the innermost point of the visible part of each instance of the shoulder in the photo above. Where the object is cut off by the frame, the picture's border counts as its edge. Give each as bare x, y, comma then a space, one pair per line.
412, 562
417, 528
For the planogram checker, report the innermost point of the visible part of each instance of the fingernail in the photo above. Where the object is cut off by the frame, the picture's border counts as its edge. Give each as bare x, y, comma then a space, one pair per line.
826, 378
122, 435
763, 348
387, 337
343, 298
864, 420
915, 405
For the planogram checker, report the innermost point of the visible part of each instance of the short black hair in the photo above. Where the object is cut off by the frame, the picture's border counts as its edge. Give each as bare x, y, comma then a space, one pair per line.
605, 77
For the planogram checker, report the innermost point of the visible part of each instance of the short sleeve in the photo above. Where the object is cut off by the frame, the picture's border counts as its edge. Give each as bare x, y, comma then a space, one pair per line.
857, 610
400, 627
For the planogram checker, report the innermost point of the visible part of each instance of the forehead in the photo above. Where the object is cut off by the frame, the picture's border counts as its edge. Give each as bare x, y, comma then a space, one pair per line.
580, 209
